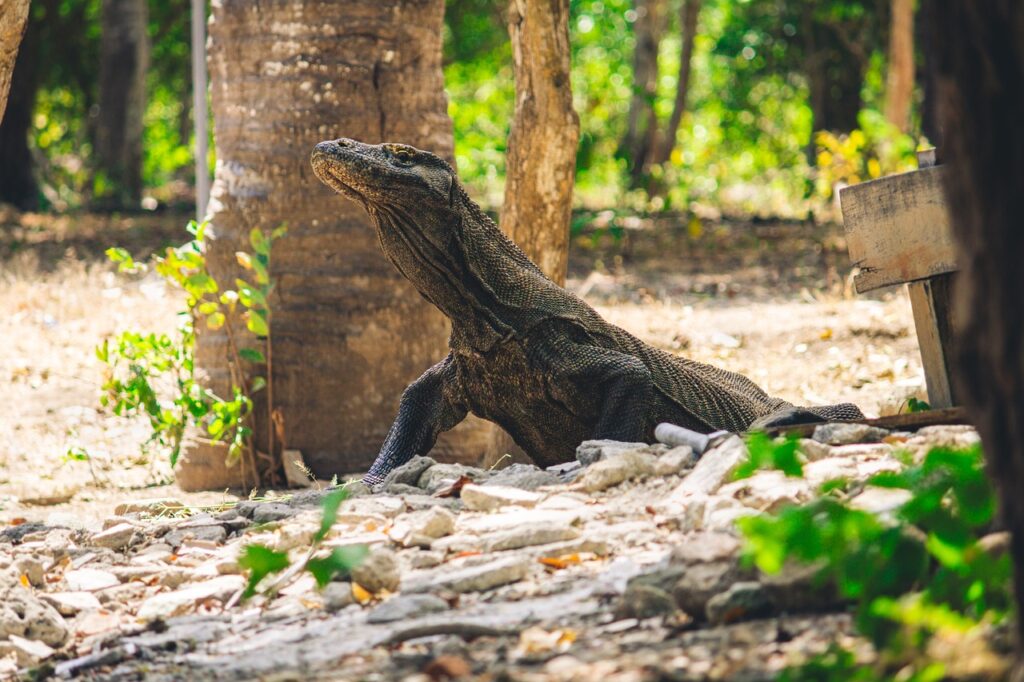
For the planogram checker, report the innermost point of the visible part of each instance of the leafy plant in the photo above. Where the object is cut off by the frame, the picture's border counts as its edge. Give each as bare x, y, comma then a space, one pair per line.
262, 561
766, 453
155, 374
920, 572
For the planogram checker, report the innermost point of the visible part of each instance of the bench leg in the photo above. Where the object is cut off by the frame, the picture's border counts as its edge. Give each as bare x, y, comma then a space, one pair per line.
931, 302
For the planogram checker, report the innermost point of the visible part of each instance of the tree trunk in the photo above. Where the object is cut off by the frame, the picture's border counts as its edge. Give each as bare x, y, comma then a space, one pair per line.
978, 52
541, 157
18, 184
641, 122
348, 332
13, 17
899, 85
689, 10
124, 59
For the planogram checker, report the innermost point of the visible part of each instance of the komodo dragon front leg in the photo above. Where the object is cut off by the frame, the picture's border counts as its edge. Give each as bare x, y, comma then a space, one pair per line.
430, 405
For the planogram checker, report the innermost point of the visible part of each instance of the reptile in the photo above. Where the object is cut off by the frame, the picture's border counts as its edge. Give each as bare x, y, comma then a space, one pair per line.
524, 353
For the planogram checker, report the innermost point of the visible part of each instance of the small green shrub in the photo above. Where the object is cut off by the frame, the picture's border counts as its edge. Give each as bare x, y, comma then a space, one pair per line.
917, 573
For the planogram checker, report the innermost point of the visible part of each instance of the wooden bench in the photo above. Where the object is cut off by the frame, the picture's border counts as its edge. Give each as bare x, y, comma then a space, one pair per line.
898, 232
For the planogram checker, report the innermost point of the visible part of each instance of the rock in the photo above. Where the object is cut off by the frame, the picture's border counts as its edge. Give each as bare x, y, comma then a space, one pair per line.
813, 450
211, 533
423, 559
421, 527
742, 601
523, 476
268, 512
675, 460
700, 582
378, 571
610, 472
117, 537
409, 473
407, 607
644, 601
337, 595
24, 615
32, 568
70, 603
724, 519
839, 433
181, 601
472, 578
486, 498
768, 490
713, 469
830, 469
152, 506
28, 653
590, 451
89, 580
46, 496
880, 500
378, 505
515, 517
442, 476
529, 535
698, 548
798, 587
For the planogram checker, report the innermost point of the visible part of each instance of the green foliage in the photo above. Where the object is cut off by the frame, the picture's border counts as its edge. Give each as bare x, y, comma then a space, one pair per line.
916, 405
262, 561
766, 453
154, 374
920, 572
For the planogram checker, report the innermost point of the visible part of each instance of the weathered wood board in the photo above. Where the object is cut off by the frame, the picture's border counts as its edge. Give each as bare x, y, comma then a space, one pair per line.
899, 422
897, 228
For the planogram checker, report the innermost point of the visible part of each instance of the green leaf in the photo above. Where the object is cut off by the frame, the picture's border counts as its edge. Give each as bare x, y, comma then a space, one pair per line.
258, 384
259, 241
260, 561
257, 323
216, 320
279, 231
330, 505
341, 561
252, 355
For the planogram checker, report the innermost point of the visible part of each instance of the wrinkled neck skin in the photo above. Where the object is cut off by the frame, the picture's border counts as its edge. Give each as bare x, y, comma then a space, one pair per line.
460, 261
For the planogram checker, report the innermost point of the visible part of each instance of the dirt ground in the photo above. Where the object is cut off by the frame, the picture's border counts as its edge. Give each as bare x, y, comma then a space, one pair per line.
773, 301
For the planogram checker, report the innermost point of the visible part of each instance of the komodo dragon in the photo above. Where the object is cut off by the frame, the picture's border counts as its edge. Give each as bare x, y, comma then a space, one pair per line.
524, 353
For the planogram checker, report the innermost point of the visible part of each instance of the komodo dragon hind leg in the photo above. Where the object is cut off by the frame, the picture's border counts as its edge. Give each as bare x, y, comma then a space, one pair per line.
430, 405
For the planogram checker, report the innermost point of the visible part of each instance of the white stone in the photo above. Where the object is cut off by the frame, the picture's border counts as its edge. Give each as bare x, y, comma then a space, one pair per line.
89, 580
713, 469
181, 601
153, 505
422, 527
674, 461
472, 578
768, 490
880, 500
529, 535
610, 472
27, 651
116, 537
70, 603
378, 571
488, 497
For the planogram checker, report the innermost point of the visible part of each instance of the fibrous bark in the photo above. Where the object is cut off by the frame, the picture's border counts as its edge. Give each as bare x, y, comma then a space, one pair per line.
13, 17
978, 54
348, 332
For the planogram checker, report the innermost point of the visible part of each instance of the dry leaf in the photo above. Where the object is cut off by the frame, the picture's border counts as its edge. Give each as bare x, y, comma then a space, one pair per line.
466, 553
825, 334
24, 581
361, 594
454, 487
560, 562
537, 640
447, 668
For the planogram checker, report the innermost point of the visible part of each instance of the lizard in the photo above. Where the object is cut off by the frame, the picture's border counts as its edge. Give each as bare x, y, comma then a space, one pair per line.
524, 353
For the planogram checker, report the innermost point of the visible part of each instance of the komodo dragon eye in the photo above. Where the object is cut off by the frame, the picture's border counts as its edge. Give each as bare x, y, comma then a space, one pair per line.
403, 156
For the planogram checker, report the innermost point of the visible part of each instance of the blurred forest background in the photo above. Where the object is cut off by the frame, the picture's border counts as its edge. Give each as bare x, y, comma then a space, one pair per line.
720, 107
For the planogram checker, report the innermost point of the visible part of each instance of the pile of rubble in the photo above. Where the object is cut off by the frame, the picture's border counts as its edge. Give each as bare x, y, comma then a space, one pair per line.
625, 564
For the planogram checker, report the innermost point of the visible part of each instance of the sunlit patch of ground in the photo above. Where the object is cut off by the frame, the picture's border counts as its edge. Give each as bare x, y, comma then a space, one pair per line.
772, 301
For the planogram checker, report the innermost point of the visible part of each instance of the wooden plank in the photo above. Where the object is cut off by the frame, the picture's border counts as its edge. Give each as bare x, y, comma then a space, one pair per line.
911, 421
931, 302
897, 228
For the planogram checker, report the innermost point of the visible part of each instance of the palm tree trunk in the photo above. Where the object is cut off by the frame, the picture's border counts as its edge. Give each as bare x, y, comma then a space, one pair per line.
349, 332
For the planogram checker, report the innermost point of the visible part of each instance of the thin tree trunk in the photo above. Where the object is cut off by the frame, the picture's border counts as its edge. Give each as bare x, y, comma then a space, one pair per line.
899, 86
124, 59
978, 52
641, 122
350, 333
689, 10
18, 185
541, 157
13, 18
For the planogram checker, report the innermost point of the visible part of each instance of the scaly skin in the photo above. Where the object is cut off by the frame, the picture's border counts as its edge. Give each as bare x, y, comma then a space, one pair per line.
524, 353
